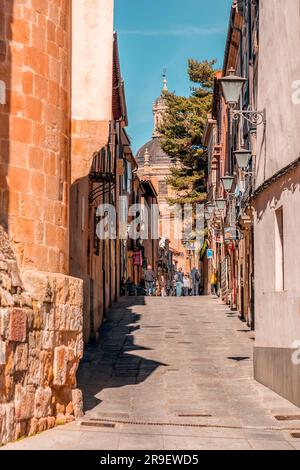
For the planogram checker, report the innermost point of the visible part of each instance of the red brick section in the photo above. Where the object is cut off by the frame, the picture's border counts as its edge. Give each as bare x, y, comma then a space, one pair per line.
34, 129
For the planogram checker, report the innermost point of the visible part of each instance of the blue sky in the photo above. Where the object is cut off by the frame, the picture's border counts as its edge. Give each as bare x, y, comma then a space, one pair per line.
158, 34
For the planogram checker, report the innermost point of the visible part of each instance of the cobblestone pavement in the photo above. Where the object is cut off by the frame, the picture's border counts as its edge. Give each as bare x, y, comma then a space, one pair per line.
172, 373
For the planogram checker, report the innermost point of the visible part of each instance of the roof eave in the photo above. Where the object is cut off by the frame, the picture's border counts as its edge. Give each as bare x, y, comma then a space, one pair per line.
235, 25
210, 122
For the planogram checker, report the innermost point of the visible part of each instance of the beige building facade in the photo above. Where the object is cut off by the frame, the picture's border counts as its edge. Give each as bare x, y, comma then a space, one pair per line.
277, 201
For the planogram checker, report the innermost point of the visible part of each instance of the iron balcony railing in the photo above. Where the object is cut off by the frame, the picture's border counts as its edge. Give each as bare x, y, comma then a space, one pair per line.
102, 173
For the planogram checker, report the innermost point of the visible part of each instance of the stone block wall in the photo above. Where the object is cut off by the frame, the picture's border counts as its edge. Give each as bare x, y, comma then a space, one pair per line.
40, 348
35, 73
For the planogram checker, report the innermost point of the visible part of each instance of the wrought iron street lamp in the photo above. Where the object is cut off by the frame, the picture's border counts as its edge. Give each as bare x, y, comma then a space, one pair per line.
227, 182
210, 208
221, 204
232, 86
242, 158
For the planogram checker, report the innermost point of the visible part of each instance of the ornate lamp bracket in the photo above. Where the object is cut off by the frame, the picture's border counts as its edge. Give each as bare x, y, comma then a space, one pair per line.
255, 118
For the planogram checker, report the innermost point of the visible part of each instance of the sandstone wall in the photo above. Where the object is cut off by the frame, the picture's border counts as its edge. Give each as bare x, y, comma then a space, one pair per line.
40, 348
35, 71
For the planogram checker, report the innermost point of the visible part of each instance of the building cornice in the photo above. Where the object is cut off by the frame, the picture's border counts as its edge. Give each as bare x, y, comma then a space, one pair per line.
274, 178
210, 122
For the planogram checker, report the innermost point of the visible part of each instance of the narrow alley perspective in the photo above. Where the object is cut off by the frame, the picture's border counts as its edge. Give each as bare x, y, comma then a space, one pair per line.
172, 374
149, 227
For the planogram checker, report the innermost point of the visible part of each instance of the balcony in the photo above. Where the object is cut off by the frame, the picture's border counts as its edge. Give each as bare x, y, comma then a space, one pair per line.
102, 173
101, 170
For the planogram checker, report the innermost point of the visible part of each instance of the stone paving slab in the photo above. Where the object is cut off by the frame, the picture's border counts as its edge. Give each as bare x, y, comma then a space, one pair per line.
160, 366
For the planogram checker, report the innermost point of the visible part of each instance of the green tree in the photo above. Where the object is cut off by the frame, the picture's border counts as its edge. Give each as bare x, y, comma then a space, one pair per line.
182, 131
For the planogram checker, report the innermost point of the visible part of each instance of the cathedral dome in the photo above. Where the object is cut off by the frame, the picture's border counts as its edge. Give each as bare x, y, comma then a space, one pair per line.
157, 156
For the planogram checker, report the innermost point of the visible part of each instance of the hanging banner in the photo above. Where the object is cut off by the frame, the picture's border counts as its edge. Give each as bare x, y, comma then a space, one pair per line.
137, 258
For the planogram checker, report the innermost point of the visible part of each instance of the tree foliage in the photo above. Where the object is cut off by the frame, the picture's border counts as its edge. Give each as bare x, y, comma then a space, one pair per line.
182, 131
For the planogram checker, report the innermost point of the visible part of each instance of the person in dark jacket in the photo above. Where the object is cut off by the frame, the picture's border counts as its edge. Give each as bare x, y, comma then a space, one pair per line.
123, 286
149, 280
179, 282
131, 287
195, 277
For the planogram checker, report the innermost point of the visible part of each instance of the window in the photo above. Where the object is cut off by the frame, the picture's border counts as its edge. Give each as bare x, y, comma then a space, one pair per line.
82, 214
96, 238
125, 176
2, 92
279, 251
162, 188
129, 177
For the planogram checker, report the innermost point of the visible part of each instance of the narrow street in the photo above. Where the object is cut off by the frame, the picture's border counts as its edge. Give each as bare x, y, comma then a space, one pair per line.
172, 373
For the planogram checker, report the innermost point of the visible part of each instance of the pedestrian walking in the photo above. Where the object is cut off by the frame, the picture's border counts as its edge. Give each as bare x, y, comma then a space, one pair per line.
131, 287
150, 281
195, 277
156, 288
214, 283
186, 285
141, 289
169, 287
123, 286
163, 284
172, 288
179, 282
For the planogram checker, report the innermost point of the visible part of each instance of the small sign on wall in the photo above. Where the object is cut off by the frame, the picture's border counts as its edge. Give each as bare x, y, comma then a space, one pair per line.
2, 92
210, 254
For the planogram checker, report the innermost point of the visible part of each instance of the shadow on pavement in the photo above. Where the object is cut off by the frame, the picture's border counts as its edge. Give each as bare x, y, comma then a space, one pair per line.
110, 362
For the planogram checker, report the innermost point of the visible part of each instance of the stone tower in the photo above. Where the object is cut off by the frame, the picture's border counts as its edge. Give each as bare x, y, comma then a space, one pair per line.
159, 107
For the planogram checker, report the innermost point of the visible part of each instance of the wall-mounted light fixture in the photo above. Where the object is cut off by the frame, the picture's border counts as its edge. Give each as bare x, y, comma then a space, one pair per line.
221, 204
232, 86
227, 182
242, 158
210, 208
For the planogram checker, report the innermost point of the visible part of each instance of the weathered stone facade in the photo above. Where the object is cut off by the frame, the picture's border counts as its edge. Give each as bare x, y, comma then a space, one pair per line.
35, 72
40, 348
